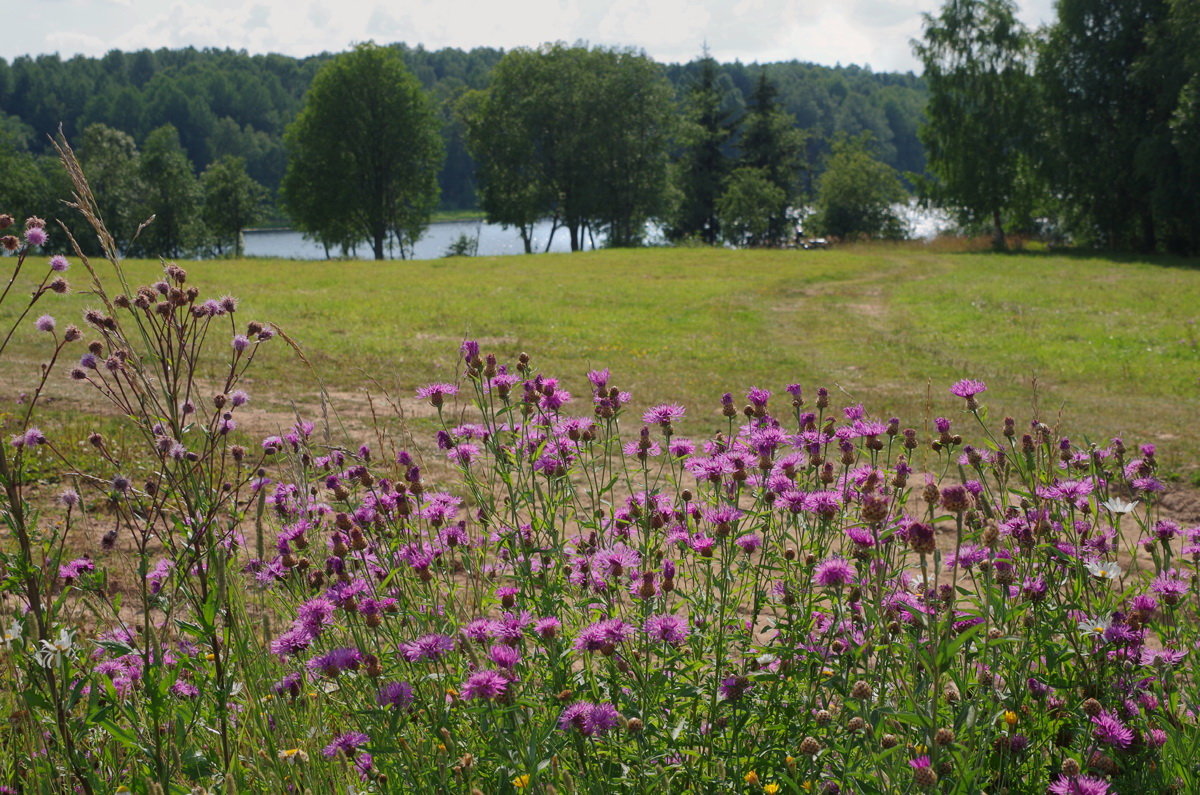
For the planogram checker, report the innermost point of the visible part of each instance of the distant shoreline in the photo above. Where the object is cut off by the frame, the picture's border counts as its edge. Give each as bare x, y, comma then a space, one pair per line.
447, 218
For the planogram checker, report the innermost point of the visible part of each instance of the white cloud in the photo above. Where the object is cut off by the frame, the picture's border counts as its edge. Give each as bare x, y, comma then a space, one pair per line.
70, 43
825, 31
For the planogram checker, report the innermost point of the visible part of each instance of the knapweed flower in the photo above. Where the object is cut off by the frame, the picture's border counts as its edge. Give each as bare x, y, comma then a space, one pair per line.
397, 695
59, 263
834, 573
346, 743
966, 388
592, 720
436, 394
486, 684
923, 773
336, 661
733, 688
1109, 730
36, 236
1170, 586
504, 656
666, 628
427, 647
32, 437
547, 627
664, 414
748, 543
758, 397
602, 635
44, 323
1078, 785
71, 571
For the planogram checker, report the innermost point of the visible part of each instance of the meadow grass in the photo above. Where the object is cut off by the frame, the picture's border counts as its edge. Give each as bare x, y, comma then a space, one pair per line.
547, 602
1109, 344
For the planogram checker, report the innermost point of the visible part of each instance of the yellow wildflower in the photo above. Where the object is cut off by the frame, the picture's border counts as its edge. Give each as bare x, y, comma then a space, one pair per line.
1010, 718
751, 778
770, 789
521, 782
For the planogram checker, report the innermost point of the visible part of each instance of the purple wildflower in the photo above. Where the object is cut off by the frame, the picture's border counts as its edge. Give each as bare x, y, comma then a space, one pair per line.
336, 661
664, 414
602, 635
44, 323
486, 684
967, 388
547, 627
36, 236
834, 573
71, 571
1078, 785
59, 263
733, 687
436, 394
397, 695
1171, 586
427, 647
504, 656
346, 743
748, 543
1110, 730
592, 720
666, 628
185, 689
758, 397
31, 438
240, 343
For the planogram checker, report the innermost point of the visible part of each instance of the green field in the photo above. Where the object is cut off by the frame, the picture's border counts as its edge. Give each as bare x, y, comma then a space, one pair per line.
1099, 346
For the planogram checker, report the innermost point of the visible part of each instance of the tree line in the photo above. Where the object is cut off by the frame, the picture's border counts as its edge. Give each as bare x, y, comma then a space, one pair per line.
1089, 128
231, 107
591, 139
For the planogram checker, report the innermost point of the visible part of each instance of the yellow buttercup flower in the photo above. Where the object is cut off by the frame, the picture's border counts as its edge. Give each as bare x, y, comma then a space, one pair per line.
751, 778
521, 782
770, 789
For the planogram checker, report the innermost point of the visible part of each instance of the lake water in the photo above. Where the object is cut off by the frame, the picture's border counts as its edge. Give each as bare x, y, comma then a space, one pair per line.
494, 240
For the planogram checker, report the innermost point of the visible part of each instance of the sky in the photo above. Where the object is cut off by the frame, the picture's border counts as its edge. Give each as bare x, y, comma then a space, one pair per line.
865, 32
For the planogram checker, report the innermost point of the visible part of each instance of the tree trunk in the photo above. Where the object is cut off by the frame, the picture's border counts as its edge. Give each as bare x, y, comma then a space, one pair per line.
526, 238
998, 241
378, 244
573, 228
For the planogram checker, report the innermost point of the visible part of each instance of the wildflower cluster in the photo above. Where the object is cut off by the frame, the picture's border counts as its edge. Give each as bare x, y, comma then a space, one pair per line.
587, 597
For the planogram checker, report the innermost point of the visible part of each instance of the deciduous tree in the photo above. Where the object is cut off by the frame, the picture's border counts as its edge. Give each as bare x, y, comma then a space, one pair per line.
171, 195
364, 152
856, 193
980, 117
232, 202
